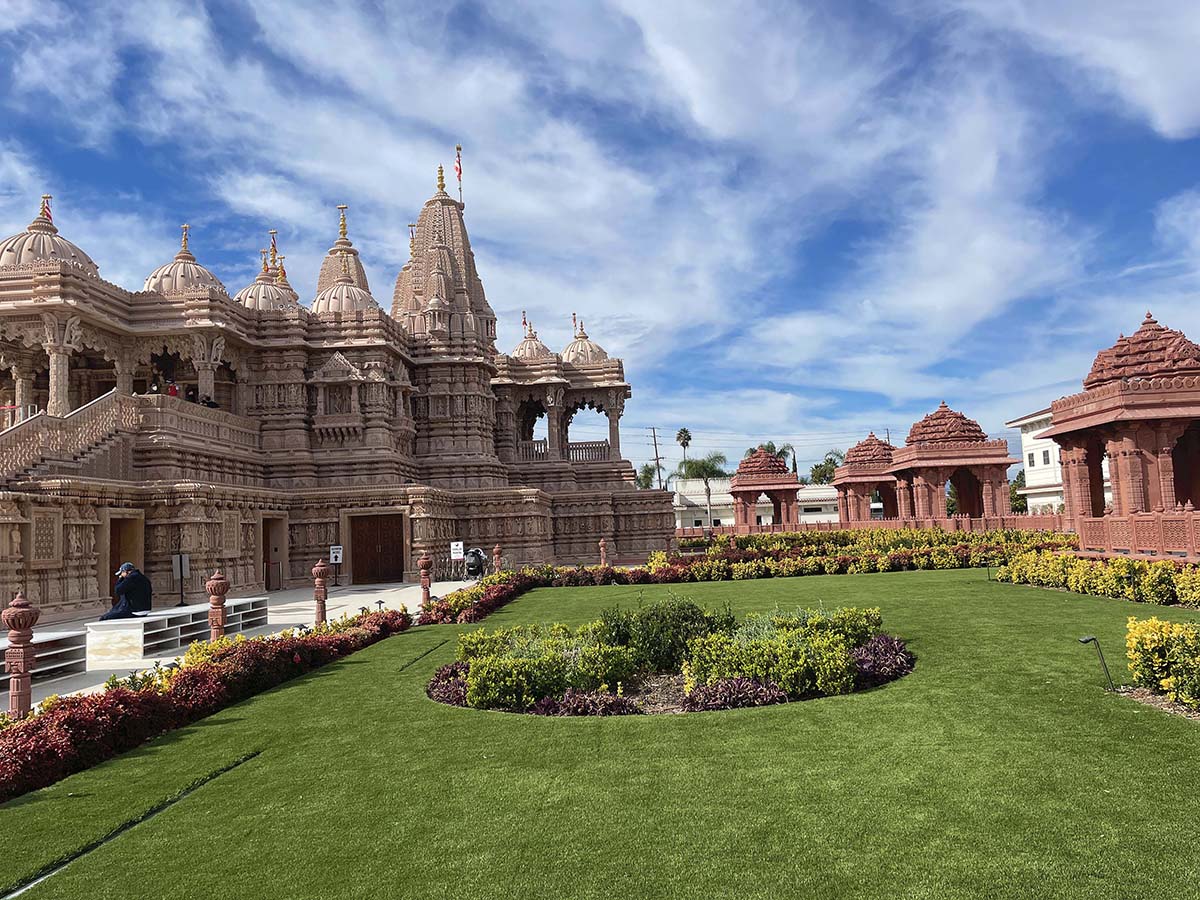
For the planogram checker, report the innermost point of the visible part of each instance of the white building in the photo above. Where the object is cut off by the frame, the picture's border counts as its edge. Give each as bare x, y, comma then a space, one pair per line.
1043, 470
815, 503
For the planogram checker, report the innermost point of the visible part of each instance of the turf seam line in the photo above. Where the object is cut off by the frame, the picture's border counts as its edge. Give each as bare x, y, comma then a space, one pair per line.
413, 661
56, 866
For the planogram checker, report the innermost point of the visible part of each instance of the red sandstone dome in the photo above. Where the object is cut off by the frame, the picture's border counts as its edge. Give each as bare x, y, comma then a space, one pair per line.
760, 462
870, 451
945, 424
1151, 351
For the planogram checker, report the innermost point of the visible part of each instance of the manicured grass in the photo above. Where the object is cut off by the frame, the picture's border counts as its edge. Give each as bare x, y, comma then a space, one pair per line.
999, 768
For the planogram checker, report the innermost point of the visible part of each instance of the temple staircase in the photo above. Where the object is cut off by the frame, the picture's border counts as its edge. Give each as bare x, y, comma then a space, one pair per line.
83, 441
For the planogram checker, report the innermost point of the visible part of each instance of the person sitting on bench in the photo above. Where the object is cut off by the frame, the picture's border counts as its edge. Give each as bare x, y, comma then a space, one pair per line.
133, 594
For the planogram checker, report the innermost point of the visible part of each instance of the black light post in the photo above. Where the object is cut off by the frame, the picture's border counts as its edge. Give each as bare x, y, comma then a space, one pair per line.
1091, 639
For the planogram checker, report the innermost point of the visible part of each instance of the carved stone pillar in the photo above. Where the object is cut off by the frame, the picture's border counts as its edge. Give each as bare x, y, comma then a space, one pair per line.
59, 403
989, 497
23, 390
19, 618
614, 435
217, 587
320, 574
123, 368
425, 564
921, 496
603, 552
1133, 488
497, 559
1168, 433
206, 378
554, 424
904, 506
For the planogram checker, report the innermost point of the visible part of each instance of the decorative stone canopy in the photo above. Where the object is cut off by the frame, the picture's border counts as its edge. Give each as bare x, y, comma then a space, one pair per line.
760, 465
945, 424
582, 350
182, 274
331, 267
266, 292
869, 452
343, 296
530, 347
764, 473
1151, 351
41, 242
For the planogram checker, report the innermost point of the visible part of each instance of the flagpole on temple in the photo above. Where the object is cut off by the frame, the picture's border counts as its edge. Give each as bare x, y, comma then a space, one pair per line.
458, 170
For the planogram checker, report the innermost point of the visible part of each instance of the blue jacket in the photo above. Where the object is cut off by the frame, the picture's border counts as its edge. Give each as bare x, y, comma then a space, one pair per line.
133, 595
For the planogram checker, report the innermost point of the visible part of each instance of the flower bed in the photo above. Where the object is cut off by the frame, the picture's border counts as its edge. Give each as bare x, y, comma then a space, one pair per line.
1161, 581
69, 734
761, 556
612, 666
1164, 657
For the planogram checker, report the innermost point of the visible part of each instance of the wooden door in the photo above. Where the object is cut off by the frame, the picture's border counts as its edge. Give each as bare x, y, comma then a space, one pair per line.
377, 548
268, 562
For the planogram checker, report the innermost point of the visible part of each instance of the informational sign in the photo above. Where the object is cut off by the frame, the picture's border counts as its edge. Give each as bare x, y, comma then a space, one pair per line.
181, 568
335, 554
456, 550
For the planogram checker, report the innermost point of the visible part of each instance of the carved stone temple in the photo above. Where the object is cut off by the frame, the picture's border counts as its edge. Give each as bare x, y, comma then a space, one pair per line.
253, 433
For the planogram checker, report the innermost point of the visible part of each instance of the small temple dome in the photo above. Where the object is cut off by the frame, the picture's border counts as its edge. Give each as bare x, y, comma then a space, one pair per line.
870, 451
267, 291
530, 347
761, 463
343, 296
1150, 352
41, 242
583, 350
945, 424
331, 266
182, 274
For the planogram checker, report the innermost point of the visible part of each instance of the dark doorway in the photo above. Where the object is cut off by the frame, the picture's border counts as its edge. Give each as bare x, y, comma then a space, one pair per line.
377, 549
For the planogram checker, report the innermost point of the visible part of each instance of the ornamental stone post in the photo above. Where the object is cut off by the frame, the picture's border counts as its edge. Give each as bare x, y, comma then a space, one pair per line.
19, 618
217, 587
320, 574
496, 559
603, 552
59, 403
425, 564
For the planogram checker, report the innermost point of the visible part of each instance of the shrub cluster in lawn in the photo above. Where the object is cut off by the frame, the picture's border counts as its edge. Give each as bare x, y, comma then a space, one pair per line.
783, 555
1165, 657
733, 693
68, 734
586, 703
1161, 581
881, 659
552, 668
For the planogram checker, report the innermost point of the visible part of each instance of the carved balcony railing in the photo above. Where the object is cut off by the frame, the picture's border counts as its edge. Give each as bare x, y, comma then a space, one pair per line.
588, 451
533, 451
215, 426
1167, 534
43, 437
954, 523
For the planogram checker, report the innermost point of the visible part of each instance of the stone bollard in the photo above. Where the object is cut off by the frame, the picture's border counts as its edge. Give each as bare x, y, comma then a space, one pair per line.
19, 618
320, 574
603, 552
217, 587
496, 560
425, 564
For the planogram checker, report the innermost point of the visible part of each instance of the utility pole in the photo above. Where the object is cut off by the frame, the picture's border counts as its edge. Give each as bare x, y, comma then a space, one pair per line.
657, 458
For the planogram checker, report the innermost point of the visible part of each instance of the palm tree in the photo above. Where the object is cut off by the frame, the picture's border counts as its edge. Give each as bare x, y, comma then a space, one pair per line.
780, 452
704, 469
683, 437
822, 472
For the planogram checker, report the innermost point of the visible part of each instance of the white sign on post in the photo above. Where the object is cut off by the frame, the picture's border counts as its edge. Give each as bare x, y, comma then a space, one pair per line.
456, 550
181, 568
335, 554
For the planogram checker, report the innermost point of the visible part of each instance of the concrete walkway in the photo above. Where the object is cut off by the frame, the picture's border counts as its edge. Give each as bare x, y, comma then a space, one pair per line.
285, 609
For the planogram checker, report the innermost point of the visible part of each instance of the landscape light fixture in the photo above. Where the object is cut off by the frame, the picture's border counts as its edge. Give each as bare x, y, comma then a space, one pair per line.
1091, 639
379, 603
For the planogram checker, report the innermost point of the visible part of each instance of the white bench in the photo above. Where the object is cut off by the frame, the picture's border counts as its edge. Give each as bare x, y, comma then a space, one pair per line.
122, 643
59, 654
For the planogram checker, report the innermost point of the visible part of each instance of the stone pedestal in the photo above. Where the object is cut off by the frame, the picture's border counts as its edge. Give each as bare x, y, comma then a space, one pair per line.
320, 574
425, 564
19, 618
217, 587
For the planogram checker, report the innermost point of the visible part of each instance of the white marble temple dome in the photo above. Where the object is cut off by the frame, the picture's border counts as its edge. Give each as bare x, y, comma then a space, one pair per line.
182, 274
41, 242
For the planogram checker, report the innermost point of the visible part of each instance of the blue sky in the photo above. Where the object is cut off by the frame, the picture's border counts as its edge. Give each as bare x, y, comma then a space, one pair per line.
793, 221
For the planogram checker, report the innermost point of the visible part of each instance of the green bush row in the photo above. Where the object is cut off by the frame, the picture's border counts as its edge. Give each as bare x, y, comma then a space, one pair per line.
1143, 581
1165, 657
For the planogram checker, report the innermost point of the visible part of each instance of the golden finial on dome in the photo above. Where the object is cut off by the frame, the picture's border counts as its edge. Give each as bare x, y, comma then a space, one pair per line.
574, 325
44, 212
441, 179
524, 323
183, 241
282, 276
412, 238
274, 248
264, 256
342, 207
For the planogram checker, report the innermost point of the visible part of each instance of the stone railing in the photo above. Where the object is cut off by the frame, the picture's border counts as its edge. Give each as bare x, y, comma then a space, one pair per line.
588, 451
1173, 534
43, 437
533, 451
954, 523
160, 411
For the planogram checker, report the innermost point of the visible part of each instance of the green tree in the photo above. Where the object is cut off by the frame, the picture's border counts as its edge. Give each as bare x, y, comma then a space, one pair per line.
646, 475
704, 469
951, 500
683, 437
1018, 502
822, 472
782, 451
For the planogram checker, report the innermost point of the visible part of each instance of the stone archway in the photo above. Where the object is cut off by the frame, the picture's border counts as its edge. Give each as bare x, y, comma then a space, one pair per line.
1185, 461
969, 492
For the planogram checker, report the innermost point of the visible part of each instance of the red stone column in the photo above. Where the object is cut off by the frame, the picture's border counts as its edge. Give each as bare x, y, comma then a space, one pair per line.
989, 498
320, 574
425, 564
19, 618
217, 587
1168, 434
843, 513
496, 558
904, 507
603, 552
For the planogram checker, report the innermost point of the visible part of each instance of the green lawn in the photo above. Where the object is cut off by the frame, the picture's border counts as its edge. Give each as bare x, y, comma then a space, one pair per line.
999, 768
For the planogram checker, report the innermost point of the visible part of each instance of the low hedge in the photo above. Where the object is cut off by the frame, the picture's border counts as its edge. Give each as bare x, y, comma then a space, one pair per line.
69, 734
1165, 658
1164, 582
